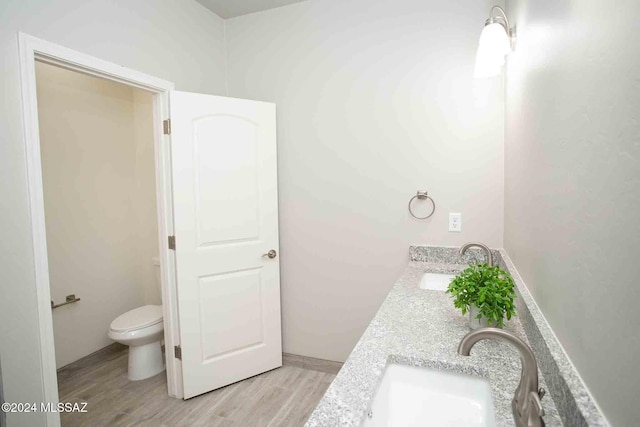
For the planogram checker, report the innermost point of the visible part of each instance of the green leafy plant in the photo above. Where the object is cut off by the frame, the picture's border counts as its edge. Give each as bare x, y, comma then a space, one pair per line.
491, 289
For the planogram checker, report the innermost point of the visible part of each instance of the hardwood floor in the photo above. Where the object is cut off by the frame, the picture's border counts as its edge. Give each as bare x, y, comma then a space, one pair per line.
283, 397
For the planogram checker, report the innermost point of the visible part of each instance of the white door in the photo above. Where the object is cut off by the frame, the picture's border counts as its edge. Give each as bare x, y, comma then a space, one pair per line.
226, 221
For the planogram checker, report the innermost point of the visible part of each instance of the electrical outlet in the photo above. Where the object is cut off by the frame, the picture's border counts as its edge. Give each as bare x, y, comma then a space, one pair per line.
455, 222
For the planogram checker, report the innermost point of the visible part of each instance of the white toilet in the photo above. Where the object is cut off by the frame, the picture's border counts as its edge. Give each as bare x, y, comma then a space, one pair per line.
142, 329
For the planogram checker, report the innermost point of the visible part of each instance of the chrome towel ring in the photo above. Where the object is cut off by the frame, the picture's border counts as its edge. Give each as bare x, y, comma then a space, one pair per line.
422, 195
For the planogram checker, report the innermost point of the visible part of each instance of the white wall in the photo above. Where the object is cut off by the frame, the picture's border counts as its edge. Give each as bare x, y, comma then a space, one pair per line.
375, 100
99, 193
572, 180
144, 200
178, 41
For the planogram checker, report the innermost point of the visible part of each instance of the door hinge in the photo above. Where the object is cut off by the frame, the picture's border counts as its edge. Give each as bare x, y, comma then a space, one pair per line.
177, 352
166, 124
172, 242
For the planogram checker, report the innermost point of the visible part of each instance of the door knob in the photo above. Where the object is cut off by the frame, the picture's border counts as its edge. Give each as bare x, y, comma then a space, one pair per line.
271, 254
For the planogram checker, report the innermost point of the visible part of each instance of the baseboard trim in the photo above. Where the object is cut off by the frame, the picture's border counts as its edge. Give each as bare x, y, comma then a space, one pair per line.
311, 363
288, 359
88, 360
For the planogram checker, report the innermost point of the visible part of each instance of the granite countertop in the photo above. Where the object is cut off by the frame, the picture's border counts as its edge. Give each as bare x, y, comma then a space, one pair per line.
422, 328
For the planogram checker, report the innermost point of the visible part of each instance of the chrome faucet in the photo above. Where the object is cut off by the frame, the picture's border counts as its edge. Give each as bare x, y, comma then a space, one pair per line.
526, 404
485, 248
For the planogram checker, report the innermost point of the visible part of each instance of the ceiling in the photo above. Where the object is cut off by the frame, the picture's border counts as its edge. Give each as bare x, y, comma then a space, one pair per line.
231, 8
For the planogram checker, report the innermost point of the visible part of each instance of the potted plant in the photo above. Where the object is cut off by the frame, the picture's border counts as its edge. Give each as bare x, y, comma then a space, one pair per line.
487, 293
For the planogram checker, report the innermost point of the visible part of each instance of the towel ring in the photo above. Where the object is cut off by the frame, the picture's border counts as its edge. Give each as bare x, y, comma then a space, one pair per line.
422, 195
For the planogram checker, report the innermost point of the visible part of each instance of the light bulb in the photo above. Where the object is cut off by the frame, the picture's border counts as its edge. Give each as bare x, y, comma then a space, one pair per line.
493, 46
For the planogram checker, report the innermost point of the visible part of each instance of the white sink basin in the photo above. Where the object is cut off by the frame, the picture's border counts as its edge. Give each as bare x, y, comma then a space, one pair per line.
409, 396
436, 281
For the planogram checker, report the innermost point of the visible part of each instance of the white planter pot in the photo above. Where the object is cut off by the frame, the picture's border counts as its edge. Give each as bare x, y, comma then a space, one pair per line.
474, 322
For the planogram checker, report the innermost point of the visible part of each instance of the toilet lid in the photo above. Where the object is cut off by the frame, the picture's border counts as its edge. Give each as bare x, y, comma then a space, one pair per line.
138, 318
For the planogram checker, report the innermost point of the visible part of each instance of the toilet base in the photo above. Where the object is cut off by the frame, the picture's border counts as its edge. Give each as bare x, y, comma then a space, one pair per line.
145, 361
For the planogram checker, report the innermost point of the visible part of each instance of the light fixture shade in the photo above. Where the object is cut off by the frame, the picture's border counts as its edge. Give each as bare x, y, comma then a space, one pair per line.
494, 45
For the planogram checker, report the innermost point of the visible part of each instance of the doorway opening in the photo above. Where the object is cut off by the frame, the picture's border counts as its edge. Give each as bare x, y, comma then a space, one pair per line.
38, 54
98, 176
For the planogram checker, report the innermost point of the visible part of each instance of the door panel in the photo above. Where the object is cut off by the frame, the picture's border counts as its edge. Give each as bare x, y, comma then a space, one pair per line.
225, 213
227, 192
231, 308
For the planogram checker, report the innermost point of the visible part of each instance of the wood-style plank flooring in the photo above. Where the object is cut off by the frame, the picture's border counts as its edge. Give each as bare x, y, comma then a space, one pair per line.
283, 397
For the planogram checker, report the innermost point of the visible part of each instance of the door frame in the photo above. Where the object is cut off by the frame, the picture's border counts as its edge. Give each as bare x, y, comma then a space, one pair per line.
32, 49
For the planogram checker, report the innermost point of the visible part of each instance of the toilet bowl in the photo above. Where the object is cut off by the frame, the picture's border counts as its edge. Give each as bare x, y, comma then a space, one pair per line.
141, 329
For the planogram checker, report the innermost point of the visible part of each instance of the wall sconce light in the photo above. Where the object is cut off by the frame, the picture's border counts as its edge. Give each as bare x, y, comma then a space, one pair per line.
496, 41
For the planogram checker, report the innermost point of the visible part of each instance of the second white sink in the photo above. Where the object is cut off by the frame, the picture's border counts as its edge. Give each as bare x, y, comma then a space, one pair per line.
436, 281
409, 396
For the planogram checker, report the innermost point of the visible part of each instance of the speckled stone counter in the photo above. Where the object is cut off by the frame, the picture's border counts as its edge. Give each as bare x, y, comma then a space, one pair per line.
421, 328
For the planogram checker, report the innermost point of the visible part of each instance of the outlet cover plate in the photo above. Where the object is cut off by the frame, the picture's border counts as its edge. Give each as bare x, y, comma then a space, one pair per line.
455, 222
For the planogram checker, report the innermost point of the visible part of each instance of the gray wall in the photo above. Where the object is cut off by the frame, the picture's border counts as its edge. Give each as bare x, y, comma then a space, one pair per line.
572, 193
179, 41
375, 100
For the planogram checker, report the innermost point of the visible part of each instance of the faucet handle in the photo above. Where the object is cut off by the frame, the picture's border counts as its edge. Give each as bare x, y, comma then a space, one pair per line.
534, 400
541, 392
